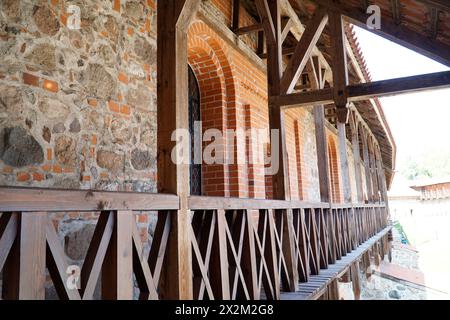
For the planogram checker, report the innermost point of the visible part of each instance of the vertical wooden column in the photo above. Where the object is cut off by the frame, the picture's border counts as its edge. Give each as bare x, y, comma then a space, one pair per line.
326, 222
24, 269
236, 11
366, 160
117, 269
340, 82
269, 11
356, 283
384, 212
174, 17
373, 173
356, 156
317, 83
340, 72
333, 290
382, 179
345, 173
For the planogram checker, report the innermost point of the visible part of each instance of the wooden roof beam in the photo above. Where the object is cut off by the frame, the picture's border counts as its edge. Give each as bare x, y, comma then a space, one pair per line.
439, 4
364, 91
434, 22
396, 33
249, 29
286, 27
395, 6
285, 52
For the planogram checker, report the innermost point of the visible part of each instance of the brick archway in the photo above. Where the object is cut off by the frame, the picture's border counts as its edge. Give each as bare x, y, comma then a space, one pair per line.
207, 59
333, 163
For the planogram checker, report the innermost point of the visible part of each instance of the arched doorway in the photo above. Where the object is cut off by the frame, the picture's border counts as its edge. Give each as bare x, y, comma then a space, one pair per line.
195, 170
333, 167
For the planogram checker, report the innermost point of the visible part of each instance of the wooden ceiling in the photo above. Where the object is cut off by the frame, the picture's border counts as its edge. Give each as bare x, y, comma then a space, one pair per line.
420, 25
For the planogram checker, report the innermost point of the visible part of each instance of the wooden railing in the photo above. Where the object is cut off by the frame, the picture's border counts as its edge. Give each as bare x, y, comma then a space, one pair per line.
241, 248
253, 249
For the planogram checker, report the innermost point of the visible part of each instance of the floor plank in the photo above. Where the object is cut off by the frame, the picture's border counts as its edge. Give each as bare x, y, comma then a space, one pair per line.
317, 283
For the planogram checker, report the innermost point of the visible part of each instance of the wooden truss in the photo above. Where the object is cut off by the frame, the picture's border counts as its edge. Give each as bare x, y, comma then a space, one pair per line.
340, 93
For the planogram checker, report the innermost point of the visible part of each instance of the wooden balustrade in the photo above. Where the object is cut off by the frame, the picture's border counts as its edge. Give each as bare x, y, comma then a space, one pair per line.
241, 248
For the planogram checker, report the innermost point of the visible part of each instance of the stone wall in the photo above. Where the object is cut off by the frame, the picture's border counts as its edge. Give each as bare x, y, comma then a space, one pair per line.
78, 106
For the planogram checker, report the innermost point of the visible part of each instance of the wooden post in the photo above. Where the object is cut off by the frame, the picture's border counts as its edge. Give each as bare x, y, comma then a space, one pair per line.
367, 167
321, 137
220, 282
333, 290
236, 9
356, 283
316, 76
340, 72
356, 156
385, 210
174, 17
303, 245
269, 11
117, 270
368, 265
382, 178
288, 248
24, 270
249, 267
340, 94
374, 173
346, 277
345, 174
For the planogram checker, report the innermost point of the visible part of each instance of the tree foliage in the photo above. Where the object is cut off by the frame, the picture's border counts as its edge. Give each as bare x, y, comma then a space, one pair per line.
432, 163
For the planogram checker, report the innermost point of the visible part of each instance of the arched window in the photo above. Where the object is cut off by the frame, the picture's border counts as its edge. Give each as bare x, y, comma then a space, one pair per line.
333, 167
195, 117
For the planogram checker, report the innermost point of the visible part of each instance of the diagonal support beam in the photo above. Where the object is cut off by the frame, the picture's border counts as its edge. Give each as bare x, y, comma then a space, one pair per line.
287, 25
266, 20
303, 50
185, 11
8, 232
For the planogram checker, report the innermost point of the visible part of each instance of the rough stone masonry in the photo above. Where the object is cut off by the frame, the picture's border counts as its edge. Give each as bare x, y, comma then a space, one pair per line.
78, 107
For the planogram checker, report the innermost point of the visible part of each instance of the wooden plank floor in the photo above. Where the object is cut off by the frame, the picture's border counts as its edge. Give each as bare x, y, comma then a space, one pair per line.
318, 283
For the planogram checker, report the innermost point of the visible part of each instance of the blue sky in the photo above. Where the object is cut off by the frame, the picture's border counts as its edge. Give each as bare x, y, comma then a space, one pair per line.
419, 122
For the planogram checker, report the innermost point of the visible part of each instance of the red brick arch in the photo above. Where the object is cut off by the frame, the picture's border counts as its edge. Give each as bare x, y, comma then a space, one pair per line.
208, 58
333, 163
